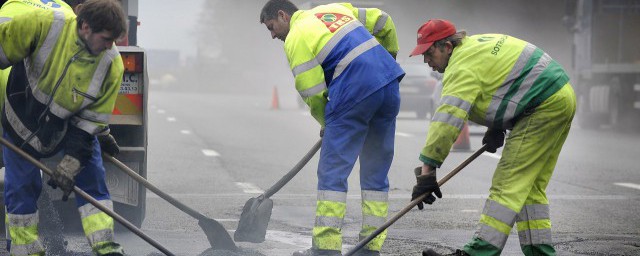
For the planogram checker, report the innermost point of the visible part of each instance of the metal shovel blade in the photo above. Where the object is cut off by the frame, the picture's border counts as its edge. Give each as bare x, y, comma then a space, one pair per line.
254, 220
217, 235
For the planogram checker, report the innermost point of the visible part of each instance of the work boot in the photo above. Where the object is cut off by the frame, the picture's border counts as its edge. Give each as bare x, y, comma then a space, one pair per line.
316, 252
458, 252
365, 252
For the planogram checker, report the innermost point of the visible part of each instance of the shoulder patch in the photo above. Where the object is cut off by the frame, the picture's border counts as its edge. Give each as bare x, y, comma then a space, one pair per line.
334, 21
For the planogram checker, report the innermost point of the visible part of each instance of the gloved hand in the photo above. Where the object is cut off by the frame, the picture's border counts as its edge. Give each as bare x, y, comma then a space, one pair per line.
108, 144
64, 175
494, 139
425, 184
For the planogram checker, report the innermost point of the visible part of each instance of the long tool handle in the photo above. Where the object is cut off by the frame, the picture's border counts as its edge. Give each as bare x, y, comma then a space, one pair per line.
163, 195
414, 203
89, 199
287, 177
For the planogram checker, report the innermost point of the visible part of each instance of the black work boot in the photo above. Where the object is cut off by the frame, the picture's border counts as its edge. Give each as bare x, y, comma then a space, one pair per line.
458, 252
316, 252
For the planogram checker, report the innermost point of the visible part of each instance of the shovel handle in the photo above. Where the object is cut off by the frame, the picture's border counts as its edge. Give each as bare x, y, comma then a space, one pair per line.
287, 177
89, 199
415, 202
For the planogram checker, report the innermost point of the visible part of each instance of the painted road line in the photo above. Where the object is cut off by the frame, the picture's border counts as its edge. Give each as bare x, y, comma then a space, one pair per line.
402, 134
209, 152
171, 119
471, 211
249, 188
394, 196
185, 131
629, 185
295, 239
492, 155
227, 220
161, 111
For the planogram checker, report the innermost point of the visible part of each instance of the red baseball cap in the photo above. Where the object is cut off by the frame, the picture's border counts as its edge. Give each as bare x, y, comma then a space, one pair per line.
431, 31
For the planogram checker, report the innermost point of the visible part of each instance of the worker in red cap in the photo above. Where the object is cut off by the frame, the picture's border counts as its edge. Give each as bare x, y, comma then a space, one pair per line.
504, 83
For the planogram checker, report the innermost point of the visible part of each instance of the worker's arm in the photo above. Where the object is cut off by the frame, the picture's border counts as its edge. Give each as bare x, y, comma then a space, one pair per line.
20, 35
379, 24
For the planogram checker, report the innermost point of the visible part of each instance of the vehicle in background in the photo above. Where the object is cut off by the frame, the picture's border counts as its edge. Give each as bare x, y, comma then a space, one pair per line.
420, 89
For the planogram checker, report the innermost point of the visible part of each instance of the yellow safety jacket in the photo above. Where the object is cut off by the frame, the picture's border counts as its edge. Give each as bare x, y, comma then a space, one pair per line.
334, 57
65, 88
491, 79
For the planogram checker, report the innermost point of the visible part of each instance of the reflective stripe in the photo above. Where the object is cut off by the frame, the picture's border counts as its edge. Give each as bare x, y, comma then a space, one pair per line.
100, 236
362, 16
4, 19
499, 212
99, 75
22, 220
456, 102
492, 236
382, 20
535, 236
34, 248
449, 119
372, 195
20, 129
89, 209
94, 116
305, 67
324, 221
87, 126
534, 212
373, 221
354, 53
4, 61
526, 85
33, 74
327, 48
335, 196
516, 71
313, 90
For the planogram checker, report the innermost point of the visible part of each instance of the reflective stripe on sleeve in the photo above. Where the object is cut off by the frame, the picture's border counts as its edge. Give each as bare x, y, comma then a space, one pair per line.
22, 130
313, 90
94, 116
354, 53
43, 53
456, 102
362, 16
4, 19
382, 20
449, 119
305, 67
85, 125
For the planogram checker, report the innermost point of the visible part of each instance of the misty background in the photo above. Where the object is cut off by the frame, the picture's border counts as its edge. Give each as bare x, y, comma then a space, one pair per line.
220, 46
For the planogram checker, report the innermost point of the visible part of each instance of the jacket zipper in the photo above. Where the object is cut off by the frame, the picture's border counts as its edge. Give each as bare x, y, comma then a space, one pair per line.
83, 94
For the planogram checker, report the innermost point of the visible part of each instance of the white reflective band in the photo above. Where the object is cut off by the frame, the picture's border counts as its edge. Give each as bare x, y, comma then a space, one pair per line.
534, 212
515, 72
88, 209
535, 236
305, 67
87, 126
492, 236
104, 235
324, 221
372, 195
373, 221
318, 88
354, 53
4, 19
101, 72
40, 59
499, 212
4, 62
456, 102
27, 249
449, 119
335, 196
20, 129
326, 49
23, 220
94, 116
382, 20
362, 16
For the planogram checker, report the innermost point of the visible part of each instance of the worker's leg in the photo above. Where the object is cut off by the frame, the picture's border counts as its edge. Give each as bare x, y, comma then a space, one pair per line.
533, 221
22, 187
342, 142
375, 161
97, 225
529, 147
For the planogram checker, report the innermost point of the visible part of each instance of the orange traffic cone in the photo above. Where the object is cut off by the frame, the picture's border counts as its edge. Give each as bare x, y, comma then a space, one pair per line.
275, 104
462, 144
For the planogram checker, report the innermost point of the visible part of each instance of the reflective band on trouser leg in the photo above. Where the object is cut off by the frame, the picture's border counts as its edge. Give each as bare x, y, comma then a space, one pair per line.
330, 210
534, 230
375, 207
23, 229
496, 222
98, 227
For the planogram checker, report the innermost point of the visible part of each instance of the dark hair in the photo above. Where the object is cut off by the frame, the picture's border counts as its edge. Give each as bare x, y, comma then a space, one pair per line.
455, 39
271, 8
103, 15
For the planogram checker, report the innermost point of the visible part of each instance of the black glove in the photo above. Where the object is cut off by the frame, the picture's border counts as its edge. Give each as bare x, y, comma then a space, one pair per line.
494, 139
426, 184
108, 144
64, 175
321, 132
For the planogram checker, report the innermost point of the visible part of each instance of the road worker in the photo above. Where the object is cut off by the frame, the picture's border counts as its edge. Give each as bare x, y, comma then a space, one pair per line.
342, 59
503, 83
59, 97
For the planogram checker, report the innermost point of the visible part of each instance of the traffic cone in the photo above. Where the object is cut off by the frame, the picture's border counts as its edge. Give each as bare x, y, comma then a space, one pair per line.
275, 104
462, 144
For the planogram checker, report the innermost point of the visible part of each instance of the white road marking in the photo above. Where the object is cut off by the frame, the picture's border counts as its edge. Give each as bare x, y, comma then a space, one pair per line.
472, 211
227, 220
290, 238
185, 131
161, 111
492, 155
171, 119
306, 113
402, 134
209, 152
249, 188
400, 196
629, 185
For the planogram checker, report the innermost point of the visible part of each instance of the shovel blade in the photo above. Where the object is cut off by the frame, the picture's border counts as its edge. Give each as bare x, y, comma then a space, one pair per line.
217, 235
254, 220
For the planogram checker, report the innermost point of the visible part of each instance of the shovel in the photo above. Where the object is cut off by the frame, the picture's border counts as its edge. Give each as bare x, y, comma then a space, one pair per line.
256, 212
89, 199
413, 203
216, 233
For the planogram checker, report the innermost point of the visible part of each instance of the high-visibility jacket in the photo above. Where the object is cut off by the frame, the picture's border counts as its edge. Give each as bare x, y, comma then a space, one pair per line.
66, 92
334, 57
491, 79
